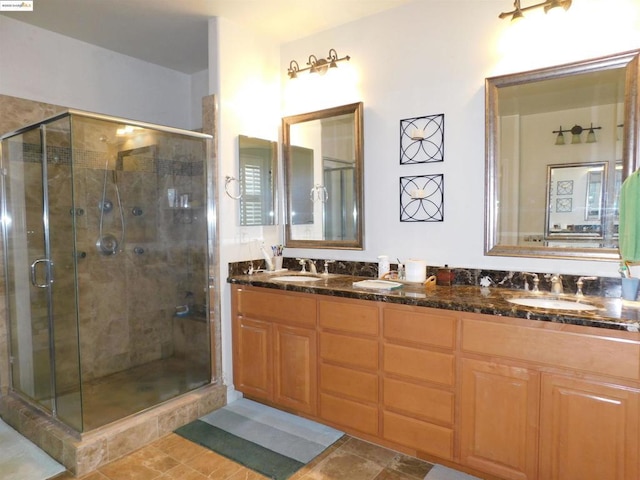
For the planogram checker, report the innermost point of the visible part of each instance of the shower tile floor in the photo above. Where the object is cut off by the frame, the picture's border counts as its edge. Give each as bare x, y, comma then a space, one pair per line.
124, 393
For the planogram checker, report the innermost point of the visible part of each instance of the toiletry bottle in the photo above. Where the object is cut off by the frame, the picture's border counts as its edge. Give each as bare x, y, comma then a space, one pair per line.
171, 197
383, 265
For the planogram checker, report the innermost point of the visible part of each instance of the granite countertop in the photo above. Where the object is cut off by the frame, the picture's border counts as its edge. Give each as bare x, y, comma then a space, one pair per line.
612, 313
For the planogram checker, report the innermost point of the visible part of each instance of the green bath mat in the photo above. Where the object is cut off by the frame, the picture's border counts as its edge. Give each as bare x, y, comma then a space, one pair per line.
269, 441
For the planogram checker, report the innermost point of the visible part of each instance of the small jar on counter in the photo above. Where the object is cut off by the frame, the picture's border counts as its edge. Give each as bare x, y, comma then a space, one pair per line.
445, 276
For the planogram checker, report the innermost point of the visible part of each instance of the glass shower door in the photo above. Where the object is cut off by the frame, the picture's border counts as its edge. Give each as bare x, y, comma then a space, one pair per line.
28, 272
33, 162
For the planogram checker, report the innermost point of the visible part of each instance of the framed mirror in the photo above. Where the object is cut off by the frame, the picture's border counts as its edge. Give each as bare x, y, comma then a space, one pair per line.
547, 130
575, 202
323, 161
257, 164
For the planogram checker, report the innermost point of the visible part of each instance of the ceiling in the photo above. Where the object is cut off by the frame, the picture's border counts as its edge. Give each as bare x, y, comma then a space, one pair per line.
173, 33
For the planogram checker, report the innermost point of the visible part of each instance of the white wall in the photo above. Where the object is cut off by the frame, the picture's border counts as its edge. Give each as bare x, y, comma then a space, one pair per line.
244, 76
48, 67
431, 57
199, 89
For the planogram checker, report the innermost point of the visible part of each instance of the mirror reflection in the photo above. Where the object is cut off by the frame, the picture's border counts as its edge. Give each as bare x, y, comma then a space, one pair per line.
559, 142
257, 163
323, 178
576, 202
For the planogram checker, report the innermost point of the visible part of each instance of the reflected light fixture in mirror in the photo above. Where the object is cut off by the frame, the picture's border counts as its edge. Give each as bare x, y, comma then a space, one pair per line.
576, 132
316, 65
517, 12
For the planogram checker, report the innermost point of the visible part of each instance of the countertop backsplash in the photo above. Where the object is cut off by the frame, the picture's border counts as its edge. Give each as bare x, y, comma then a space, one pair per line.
602, 287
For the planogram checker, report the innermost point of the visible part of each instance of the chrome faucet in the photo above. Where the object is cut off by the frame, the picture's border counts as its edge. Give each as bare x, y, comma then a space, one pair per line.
312, 267
556, 284
303, 264
579, 284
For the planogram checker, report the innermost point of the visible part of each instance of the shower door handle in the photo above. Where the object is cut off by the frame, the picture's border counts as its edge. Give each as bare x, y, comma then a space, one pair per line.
34, 280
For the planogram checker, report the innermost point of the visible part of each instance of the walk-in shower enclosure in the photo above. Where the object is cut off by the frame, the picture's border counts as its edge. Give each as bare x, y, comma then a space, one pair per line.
106, 258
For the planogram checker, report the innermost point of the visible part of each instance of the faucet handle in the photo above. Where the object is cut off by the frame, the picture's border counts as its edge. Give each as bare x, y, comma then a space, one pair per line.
303, 264
580, 283
326, 266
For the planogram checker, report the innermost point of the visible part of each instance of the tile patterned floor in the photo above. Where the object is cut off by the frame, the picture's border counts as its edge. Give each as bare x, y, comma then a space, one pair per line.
173, 457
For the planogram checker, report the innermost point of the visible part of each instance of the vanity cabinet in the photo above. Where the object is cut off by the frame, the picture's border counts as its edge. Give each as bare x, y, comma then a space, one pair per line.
275, 347
253, 353
548, 401
503, 397
418, 378
499, 418
349, 363
589, 429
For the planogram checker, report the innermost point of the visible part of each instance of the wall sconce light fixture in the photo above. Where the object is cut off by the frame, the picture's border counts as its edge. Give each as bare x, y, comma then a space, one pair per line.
576, 132
316, 65
516, 13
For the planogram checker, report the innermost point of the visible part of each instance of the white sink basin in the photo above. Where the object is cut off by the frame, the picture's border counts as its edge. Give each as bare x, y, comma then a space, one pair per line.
296, 278
552, 304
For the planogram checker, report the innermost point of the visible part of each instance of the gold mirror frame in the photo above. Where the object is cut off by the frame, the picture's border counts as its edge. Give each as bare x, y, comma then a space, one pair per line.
630, 62
355, 242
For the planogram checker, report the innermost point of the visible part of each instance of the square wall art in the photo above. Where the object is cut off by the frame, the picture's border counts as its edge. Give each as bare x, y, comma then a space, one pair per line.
422, 198
422, 139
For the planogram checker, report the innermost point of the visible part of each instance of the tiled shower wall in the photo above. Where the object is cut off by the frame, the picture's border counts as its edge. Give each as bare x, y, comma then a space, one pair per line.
127, 301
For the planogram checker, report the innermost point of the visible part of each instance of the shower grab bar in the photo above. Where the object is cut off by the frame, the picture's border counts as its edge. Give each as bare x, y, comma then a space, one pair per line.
34, 265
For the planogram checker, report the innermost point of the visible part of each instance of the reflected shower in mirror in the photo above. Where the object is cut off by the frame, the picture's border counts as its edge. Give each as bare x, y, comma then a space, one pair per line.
257, 163
323, 178
552, 183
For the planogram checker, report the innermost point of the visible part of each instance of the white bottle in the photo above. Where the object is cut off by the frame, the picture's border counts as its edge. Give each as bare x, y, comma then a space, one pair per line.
171, 197
383, 265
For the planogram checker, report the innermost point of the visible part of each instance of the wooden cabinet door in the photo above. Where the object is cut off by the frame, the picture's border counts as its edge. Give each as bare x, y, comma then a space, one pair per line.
295, 379
252, 362
588, 430
499, 418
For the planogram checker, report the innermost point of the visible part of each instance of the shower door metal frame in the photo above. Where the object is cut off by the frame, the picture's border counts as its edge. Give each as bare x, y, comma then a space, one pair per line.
46, 260
48, 270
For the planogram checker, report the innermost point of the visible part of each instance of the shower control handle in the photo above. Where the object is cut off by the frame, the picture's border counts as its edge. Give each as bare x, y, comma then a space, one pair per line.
34, 266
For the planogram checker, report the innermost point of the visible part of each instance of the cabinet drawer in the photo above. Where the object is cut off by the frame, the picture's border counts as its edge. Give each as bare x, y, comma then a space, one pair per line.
419, 364
346, 413
428, 403
358, 385
350, 317
422, 436
357, 352
586, 352
424, 326
289, 308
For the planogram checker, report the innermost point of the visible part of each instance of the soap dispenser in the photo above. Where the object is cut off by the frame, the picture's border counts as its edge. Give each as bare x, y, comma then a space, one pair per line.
383, 265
